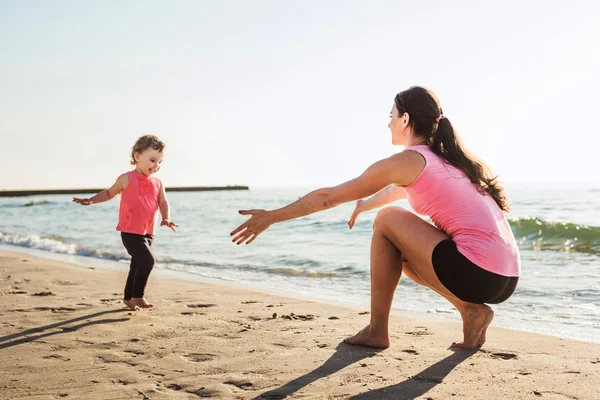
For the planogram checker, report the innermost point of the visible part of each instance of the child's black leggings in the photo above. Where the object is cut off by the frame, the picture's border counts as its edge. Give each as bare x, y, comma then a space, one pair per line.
142, 262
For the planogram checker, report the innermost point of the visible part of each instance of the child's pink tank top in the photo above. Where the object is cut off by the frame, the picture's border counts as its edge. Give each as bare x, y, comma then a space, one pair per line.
139, 203
474, 221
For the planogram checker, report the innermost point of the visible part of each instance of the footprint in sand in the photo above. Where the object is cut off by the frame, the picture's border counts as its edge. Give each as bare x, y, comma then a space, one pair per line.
200, 357
59, 348
416, 353
122, 381
117, 359
85, 342
55, 309
200, 305
47, 293
418, 333
134, 352
192, 313
284, 345
503, 356
204, 392
56, 357
292, 316
244, 385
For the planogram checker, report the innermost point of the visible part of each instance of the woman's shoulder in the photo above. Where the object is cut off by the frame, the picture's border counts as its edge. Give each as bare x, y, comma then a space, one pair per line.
422, 149
417, 153
409, 155
425, 152
408, 166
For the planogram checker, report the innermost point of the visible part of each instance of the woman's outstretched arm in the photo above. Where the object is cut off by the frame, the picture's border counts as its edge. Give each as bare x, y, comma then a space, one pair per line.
400, 169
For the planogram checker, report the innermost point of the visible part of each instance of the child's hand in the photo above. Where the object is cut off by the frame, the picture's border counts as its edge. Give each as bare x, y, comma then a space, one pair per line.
169, 224
83, 202
357, 210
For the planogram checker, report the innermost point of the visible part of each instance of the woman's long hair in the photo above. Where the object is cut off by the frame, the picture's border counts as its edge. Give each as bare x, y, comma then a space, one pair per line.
424, 110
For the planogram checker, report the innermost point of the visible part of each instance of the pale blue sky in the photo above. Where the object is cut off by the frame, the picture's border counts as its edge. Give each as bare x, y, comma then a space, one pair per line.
293, 93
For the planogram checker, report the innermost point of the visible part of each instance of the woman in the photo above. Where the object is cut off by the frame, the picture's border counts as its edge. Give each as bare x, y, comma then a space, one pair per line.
469, 256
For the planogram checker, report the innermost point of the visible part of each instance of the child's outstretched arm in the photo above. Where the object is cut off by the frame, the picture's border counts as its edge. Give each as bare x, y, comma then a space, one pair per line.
163, 205
105, 195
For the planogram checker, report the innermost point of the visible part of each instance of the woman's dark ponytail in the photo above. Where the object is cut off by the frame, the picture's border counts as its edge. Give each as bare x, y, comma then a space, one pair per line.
427, 120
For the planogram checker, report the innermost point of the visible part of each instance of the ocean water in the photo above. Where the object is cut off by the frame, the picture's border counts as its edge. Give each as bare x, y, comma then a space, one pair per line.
317, 257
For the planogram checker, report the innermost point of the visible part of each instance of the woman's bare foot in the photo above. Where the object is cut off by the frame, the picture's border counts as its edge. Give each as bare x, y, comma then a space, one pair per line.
366, 338
476, 319
130, 305
141, 302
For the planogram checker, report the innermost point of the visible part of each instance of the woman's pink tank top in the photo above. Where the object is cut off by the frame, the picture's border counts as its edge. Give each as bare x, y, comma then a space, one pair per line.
474, 221
139, 203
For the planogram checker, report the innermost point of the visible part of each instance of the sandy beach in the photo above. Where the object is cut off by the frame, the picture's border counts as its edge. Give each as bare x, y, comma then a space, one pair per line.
65, 334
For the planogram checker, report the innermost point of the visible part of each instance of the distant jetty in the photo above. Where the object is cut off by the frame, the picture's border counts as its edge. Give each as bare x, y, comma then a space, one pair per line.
17, 193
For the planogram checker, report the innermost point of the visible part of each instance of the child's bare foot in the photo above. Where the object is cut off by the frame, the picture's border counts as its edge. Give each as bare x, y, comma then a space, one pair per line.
130, 305
141, 302
366, 338
476, 319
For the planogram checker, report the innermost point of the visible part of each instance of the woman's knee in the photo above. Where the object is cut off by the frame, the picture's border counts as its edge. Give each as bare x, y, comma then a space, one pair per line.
388, 215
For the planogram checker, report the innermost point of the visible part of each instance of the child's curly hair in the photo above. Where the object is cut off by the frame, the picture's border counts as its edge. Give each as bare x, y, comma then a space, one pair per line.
145, 142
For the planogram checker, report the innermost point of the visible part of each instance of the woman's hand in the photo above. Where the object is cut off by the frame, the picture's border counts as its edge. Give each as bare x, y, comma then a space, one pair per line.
259, 221
83, 202
169, 224
357, 210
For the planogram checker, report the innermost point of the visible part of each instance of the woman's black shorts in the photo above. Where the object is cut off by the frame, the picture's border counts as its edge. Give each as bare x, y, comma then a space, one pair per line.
466, 280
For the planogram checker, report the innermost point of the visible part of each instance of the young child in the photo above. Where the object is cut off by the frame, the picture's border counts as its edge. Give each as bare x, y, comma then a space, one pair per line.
142, 195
